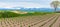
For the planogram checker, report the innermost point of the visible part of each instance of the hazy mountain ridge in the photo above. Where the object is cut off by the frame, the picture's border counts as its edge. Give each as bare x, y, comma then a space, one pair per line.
31, 9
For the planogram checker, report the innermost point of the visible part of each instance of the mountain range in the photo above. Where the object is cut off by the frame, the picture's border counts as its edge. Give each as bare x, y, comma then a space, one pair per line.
32, 9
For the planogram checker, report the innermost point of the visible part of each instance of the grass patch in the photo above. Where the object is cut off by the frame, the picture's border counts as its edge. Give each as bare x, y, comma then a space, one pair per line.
36, 13
8, 14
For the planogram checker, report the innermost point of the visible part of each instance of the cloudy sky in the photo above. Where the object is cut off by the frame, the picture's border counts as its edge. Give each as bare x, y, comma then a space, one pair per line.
25, 3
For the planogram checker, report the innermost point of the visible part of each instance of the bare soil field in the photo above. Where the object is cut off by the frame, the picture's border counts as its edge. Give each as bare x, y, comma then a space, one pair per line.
49, 20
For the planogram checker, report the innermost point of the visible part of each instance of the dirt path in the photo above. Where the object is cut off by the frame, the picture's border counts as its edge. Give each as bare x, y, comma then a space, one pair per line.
42, 23
52, 20
56, 24
47, 24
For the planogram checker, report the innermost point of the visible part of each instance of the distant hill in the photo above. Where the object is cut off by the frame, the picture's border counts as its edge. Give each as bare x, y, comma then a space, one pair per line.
31, 9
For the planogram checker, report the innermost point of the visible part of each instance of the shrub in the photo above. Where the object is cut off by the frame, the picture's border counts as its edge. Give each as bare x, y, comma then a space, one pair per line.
8, 14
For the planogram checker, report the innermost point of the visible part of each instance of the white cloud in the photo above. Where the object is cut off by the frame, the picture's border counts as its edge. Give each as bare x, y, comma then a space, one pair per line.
22, 4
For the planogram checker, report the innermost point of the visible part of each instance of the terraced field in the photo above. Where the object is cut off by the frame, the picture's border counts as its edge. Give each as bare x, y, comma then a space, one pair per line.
49, 20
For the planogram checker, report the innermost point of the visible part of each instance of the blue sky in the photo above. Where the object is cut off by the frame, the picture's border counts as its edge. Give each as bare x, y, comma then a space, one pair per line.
25, 3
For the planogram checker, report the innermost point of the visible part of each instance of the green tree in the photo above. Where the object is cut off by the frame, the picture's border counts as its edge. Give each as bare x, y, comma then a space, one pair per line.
55, 4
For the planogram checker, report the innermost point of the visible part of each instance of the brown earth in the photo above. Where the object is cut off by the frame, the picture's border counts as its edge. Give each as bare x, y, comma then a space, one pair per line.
49, 20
